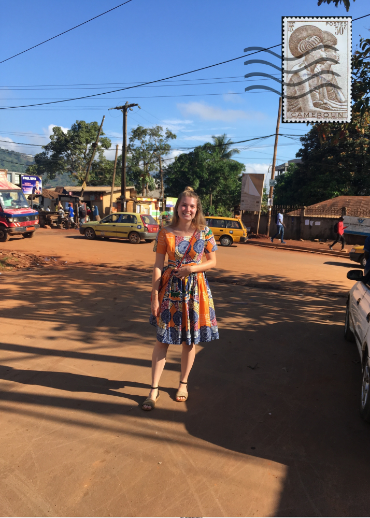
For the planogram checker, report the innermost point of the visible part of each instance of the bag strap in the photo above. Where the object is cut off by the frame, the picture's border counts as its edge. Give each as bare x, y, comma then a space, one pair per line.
187, 250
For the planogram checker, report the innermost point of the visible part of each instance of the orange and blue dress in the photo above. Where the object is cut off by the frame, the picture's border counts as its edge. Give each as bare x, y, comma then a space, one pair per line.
186, 309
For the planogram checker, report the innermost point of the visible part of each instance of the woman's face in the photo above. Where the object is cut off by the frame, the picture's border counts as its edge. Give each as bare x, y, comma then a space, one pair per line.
187, 208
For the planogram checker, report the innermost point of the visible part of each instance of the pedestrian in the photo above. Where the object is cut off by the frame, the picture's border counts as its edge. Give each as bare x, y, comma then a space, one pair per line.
339, 230
82, 213
71, 213
280, 228
182, 308
96, 213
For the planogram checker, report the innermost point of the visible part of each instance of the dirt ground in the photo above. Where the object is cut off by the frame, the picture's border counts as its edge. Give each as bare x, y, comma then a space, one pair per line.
272, 423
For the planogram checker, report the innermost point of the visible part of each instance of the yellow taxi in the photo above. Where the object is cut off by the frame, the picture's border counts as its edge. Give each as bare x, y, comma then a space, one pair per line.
123, 225
227, 230
357, 254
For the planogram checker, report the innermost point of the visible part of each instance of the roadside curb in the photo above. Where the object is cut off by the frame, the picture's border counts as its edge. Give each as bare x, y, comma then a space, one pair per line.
332, 253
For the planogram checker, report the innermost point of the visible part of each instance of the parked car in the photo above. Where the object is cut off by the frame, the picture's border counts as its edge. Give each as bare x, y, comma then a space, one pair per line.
356, 329
357, 255
123, 225
227, 230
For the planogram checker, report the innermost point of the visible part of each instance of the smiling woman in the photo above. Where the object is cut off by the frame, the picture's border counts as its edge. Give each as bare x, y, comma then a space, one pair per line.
182, 304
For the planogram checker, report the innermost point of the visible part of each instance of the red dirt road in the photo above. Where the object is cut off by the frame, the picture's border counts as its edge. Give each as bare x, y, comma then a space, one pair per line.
271, 427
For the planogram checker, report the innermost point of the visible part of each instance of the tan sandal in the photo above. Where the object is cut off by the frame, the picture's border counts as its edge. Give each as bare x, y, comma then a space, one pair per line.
150, 402
182, 393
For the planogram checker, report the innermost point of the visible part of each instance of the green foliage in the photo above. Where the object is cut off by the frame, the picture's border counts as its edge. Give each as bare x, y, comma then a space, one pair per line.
14, 161
335, 162
208, 173
361, 78
145, 145
225, 146
70, 152
346, 3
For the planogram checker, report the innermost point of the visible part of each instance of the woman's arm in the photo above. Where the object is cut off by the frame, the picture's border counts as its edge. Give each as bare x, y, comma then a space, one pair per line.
156, 277
187, 269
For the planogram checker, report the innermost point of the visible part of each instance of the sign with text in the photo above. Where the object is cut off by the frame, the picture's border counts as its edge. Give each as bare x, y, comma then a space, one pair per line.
252, 191
31, 185
356, 225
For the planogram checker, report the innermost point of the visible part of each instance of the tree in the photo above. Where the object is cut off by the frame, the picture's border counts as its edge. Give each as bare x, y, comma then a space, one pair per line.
225, 146
70, 152
335, 162
144, 148
215, 179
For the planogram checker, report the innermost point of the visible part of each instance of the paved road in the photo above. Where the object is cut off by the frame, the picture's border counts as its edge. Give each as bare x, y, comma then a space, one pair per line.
271, 426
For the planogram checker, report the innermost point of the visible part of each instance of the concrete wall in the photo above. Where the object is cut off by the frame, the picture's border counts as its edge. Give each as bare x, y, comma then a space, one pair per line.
317, 227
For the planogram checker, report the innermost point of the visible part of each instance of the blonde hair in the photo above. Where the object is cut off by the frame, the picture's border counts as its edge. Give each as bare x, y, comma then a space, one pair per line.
198, 221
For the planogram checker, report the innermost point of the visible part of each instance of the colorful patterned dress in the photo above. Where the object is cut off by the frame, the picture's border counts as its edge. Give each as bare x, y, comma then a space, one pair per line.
187, 313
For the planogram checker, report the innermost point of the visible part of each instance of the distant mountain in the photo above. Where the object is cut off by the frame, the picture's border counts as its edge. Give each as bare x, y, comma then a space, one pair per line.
14, 161
18, 163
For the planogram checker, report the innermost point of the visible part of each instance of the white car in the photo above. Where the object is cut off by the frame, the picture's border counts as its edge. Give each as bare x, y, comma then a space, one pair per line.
356, 329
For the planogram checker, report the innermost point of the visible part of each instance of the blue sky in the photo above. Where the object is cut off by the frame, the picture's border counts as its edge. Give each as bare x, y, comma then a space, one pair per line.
142, 41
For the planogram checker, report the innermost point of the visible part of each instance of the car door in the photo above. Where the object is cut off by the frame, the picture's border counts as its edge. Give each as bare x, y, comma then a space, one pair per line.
234, 228
107, 226
127, 224
360, 311
218, 227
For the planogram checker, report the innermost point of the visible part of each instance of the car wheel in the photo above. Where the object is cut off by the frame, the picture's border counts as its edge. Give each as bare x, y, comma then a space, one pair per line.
28, 234
363, 261
90, 233
134, 238
4, 236
348, 335
225, 241
365, 391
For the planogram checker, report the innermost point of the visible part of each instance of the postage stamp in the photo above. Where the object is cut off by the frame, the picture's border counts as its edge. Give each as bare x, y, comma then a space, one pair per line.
316, 69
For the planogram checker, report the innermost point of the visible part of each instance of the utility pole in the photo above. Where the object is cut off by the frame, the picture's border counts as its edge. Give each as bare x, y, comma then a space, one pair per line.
273, 165
162, 186
113, 181
124, 109
94, 146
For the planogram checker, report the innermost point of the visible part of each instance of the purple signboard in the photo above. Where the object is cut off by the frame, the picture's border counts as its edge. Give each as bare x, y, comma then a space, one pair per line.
31, 185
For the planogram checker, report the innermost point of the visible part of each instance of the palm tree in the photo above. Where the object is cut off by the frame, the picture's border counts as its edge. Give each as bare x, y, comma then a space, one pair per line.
225, 146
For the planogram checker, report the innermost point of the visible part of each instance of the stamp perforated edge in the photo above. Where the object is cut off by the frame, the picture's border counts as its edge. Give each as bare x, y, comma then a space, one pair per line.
349, 79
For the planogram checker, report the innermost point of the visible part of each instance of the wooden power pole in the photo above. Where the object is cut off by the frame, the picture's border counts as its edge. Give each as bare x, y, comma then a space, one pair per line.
94, 146
273, 165
124, 109
114, 180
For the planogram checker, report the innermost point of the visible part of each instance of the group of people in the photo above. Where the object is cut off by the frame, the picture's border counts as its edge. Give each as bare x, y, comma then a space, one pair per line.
84, 212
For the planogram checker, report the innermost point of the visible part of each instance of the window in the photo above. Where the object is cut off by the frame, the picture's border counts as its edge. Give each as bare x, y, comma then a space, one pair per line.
115, 218
233, 224
148, 220
17, 179
219, 223
129, 218
9, 176
108, 219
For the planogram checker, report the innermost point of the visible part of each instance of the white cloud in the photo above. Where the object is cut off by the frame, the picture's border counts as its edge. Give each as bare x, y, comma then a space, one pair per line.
233, 98
198, 138
206, 112
49, 131
177, 121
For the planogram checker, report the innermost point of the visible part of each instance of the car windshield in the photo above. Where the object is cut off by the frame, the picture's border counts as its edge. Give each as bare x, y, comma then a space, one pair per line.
13, 200
148, 220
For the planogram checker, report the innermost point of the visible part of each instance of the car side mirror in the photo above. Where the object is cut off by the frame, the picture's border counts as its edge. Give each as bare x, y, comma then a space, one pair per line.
355, 275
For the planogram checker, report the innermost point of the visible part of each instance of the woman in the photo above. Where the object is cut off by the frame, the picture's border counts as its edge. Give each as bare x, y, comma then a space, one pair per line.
182, 304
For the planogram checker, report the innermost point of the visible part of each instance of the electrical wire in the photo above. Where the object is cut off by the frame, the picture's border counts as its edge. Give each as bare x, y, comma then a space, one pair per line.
142, 84
65, 32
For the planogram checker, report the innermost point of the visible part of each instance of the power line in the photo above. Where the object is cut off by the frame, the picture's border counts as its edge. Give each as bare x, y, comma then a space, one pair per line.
65, 32
142, 84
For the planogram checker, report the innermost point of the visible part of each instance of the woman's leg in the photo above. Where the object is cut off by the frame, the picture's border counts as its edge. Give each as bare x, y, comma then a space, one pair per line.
158, 363
187, 361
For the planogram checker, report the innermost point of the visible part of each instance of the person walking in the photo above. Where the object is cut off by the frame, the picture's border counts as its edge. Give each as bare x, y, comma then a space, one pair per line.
339, 230
280, 228
82, 213
71, 213
182, 308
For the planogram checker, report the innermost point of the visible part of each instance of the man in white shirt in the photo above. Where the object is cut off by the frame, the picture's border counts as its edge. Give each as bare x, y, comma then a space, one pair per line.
280, 228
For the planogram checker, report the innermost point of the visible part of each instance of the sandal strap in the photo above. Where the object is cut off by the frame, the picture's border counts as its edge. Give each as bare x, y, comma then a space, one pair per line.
183, 382
154, 388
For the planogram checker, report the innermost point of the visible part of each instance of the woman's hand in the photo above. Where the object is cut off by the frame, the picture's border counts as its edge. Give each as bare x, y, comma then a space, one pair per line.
183, 271
155, 305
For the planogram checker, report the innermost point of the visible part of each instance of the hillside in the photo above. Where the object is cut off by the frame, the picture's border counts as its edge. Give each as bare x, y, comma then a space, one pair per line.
14, 161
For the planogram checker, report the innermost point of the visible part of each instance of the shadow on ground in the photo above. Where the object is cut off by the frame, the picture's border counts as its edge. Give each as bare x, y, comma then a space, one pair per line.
280, 384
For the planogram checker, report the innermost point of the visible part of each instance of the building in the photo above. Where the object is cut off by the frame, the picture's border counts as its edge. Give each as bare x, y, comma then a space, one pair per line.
282, 168
14, 177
